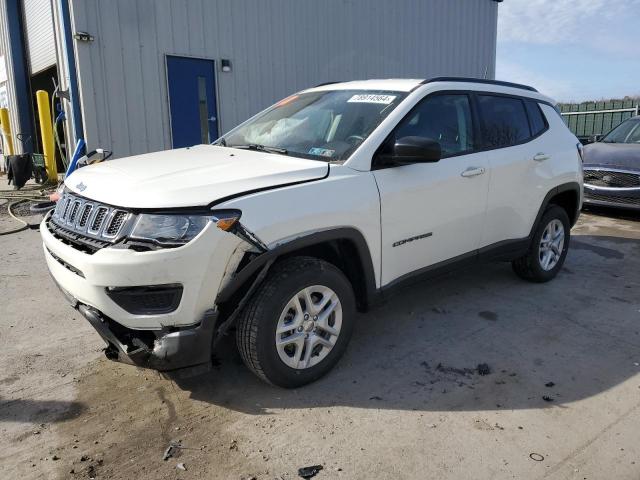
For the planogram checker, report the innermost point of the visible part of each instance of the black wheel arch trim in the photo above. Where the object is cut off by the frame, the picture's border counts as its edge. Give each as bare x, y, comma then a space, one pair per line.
565, 187
343, 233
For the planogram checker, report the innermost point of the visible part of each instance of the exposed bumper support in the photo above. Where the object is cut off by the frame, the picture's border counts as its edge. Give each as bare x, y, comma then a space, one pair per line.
179, 353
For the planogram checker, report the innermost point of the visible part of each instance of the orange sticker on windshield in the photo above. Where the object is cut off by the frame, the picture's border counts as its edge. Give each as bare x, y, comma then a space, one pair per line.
284, 101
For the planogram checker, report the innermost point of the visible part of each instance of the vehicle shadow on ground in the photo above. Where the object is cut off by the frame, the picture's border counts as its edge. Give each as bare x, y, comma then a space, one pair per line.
546, 344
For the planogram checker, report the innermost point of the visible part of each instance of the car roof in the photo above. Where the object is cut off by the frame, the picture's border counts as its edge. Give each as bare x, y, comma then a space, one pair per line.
409, 85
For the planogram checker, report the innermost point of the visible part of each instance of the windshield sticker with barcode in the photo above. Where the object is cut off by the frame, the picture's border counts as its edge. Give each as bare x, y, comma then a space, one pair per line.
372, 98
323, 152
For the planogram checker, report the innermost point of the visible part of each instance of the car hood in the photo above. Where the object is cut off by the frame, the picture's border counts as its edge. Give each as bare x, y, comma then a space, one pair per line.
618, 155
189, 177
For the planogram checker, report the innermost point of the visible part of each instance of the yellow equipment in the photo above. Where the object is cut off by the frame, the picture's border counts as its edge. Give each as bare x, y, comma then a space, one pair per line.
5, 125
46, 129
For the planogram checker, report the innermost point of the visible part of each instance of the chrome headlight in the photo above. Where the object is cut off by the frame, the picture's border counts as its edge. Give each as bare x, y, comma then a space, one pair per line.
174, 229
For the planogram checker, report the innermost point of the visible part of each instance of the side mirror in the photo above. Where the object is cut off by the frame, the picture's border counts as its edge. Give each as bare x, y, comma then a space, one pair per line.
409, 150
94, 156
595, 138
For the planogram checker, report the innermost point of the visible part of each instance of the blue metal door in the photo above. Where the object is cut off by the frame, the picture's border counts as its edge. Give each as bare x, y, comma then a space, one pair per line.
192, 101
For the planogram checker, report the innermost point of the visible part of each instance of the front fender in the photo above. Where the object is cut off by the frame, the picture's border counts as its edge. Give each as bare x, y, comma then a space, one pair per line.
241, 277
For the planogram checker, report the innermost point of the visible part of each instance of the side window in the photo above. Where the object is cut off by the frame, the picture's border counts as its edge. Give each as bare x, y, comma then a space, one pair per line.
444, 118
504, 121
536, 118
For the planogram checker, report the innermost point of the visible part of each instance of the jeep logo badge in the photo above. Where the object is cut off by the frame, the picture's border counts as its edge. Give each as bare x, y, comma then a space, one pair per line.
81, 186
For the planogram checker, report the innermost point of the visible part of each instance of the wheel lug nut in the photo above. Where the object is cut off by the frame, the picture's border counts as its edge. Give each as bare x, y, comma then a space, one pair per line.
306, 316
315, 318
299, 329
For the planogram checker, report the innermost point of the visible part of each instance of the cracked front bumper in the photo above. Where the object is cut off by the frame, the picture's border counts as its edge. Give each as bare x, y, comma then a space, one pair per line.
179, 352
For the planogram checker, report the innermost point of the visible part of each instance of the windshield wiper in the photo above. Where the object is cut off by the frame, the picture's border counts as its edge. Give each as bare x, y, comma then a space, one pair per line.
261, 148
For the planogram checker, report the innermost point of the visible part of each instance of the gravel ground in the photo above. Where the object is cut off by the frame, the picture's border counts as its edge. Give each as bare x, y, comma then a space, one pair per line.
561, 399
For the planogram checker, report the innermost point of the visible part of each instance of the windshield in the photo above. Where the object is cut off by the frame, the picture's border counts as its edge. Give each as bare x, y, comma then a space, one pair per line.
626, 132
324, 125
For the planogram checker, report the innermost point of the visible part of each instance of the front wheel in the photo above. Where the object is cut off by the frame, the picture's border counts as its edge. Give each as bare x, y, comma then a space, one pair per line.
298, 325
548, 248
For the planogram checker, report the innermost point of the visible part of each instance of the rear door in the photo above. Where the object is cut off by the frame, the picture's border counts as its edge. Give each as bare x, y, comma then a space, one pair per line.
513, 129
192, 100
433, 212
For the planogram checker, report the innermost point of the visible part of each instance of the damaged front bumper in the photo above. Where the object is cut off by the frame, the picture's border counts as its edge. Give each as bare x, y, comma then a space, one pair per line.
177, 352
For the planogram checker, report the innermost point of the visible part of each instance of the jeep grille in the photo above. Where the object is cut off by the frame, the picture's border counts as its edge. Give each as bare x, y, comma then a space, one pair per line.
88, 223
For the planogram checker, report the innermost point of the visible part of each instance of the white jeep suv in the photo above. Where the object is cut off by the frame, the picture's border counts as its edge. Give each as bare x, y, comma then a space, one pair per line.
307, 212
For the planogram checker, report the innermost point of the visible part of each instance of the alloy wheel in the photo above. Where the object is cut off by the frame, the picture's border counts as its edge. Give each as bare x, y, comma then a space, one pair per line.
308, 327
551, 244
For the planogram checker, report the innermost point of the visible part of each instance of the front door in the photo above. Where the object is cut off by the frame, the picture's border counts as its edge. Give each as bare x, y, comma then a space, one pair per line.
433, 212
192, 100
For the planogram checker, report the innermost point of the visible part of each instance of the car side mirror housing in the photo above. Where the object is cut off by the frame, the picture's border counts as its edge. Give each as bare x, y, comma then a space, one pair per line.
595, 138
407, 150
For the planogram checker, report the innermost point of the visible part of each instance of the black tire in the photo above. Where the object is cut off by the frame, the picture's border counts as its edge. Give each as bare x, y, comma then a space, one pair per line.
42, 207
529, 266
257, 323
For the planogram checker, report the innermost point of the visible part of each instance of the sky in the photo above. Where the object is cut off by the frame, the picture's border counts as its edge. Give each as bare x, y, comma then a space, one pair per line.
571, 50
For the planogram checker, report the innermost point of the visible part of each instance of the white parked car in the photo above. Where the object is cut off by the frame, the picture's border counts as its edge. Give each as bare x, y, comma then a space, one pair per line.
311, 210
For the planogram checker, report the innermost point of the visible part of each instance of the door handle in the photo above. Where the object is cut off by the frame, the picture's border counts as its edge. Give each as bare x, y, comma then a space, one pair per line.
540, 157
472, 171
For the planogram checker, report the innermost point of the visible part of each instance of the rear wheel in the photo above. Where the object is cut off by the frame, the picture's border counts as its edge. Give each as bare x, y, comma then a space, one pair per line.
298, 325
548, 248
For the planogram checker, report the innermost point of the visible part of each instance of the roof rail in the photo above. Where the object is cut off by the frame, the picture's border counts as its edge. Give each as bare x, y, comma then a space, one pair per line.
479, 80
325, 83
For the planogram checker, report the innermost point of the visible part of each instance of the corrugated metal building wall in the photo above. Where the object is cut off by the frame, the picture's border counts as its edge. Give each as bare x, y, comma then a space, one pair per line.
276, 47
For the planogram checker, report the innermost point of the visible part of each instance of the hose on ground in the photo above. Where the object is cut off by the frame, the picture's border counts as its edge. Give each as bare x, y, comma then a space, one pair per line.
24, 225
15, 197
